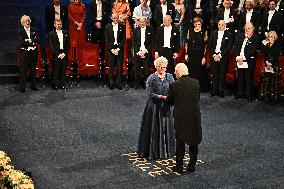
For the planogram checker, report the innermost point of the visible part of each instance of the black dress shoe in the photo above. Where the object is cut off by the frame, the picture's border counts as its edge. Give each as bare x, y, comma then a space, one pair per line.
63, 88
236, 97
190, 169
23, 90
34, 88
177, 169
136, 87
213, 94
119, 87
221, 95
250, 100
111, 87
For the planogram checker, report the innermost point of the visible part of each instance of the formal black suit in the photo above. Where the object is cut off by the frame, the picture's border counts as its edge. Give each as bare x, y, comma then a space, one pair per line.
59, 65
167, 52
27, 57
245, 75
98, 33
184, 95
158, 14
204, 5
255, 20
113, 59
232, 26
136, 43
275, 23
50, 16
219, 69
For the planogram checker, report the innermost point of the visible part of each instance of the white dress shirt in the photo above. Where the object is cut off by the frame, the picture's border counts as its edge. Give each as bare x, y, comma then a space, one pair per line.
60, 37
57, 10
227, 15
115, 30
219, 2
242, 53
249, 15
270, 15
99, 10
28, 31
164, 10
143, 37
197, 6
241, 4
219, 41
167, 36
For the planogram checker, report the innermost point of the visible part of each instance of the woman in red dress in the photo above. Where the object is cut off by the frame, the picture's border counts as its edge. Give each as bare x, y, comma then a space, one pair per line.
77, 18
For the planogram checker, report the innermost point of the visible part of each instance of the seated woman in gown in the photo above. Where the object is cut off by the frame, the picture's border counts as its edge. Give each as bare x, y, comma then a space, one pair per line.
157, 137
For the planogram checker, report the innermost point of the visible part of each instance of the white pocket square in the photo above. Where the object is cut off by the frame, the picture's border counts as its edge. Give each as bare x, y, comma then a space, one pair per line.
174, 33
226, 37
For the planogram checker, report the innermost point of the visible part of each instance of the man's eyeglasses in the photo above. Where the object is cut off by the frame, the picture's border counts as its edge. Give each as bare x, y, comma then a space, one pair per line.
163, 67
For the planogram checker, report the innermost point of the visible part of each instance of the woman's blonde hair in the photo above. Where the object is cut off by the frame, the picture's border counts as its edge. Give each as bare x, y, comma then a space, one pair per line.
160, 61
274, 35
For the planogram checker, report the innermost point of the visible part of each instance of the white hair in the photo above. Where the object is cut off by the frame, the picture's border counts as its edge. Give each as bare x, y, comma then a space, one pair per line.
182, 69
24, 18
160, 61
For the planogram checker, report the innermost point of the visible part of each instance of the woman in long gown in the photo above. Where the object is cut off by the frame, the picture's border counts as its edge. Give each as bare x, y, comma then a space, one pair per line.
157, 136
270, 88
196, 53
77, 29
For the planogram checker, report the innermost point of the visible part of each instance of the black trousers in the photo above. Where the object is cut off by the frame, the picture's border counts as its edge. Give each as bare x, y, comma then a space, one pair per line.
180, 151
168, 54
139, 62
115, 61
99, 37
28, 59
245, 79
59, 67
218, 70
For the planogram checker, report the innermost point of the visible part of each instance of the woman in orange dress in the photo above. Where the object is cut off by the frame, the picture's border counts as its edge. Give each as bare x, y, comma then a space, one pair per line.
77, 18
122, 8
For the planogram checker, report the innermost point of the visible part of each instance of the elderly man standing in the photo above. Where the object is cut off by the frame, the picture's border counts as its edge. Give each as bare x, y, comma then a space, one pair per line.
28, 37
184, 95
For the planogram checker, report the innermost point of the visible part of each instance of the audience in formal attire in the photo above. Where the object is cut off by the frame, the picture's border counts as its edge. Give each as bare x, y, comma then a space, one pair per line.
270, 89
77, 28
196, 52
161, 11
166, 42
55, 11
179, 17
59, 44
114, 39
229, 15
28, 39
184, 95
142, 10
99, 10
157, 136
142, 45
220, 44
245, 48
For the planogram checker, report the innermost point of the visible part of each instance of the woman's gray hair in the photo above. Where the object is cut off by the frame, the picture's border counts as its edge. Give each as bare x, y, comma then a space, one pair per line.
160, 61
274, 35
182, 69
24, 18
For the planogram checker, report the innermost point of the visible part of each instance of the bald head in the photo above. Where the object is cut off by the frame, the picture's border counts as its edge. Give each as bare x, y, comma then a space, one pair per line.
180, 70
167, 20
142, 21
249, 28
114, 18
222, 25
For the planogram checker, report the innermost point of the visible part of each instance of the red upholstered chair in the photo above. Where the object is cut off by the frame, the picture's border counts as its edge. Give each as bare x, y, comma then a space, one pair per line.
231, 74
259, 67
49, 59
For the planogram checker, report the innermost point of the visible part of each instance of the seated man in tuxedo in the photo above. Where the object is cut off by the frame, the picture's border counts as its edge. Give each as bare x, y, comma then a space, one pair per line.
115, 37
161, 10
229, 15
99, 14
184, 95
142, 45
59, 44
272, 20
55, 11
245, 48
28, 38
167, 42
220, 44
249, 15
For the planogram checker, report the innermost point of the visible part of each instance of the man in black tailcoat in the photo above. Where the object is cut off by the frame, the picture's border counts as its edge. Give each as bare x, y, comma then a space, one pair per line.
59, 44
245, 48
142, 45
114, 38
184, 95
220, 44
167, 42
161, 10
55, 11
28, 39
